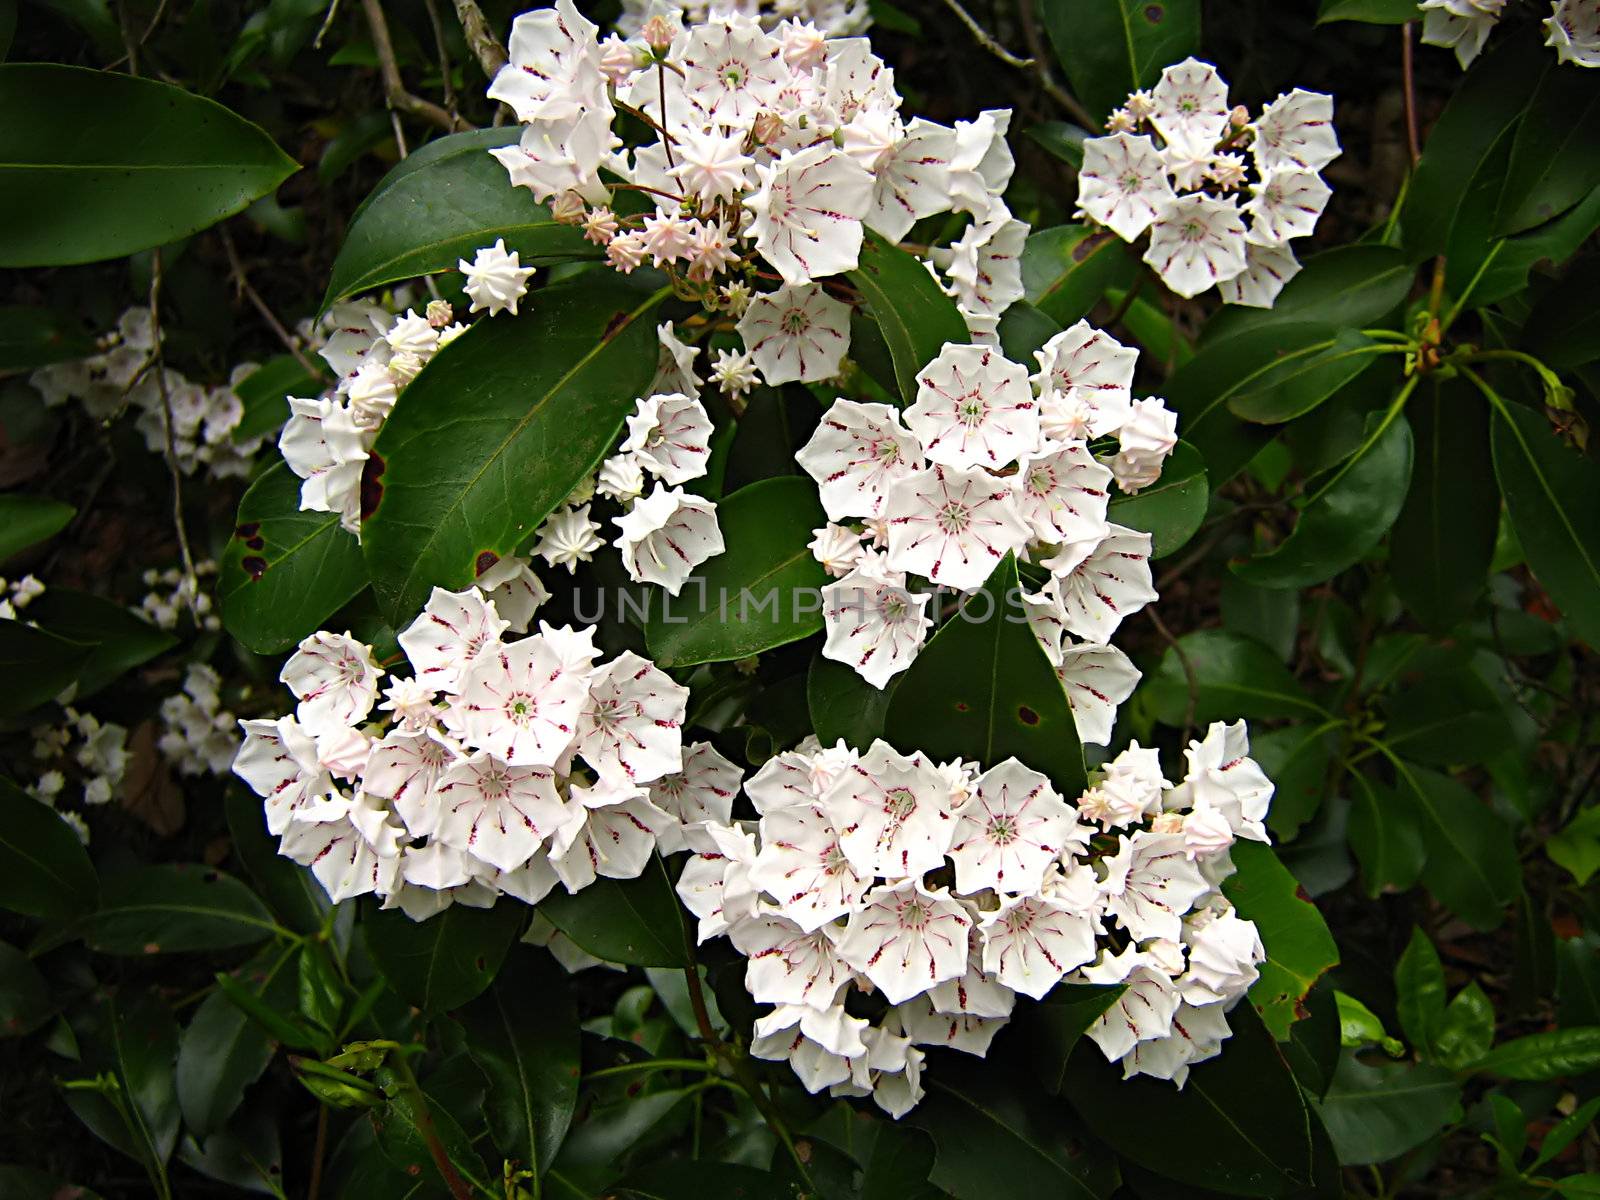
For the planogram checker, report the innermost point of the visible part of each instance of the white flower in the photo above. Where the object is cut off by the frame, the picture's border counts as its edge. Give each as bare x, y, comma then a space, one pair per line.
370, 394
495, 812
495, 280
837, 548
1463, 25
1146, 438
805, 1037
608, 830
665, 535
1131, 789
715, 884
1123, 183
1012, 828
906, 939
404, 769
1191, 104
667, 236
1086, 365
1197, 1034
857, 452
670, 437
1104, 581
1295, 130
1142, 1012
1150, 883
952, 526
855, 81
521, 703
621, 478
701, 790
515, 591
731, 71
1286, 204
1062, 493
1097, 679
631, 729
975, 993
323, 446
557, 157
334, 678
452, 628
790, 965
554, 67
735, 372
974, 408
1223, 776
874, 624
674, 365
925, 1025
1030, 942
893, 813
1224, 950
1197, 242
1267, 269
803, 867
339, 854
278, 759
913, 181
709, 164
808, 212
985, 267
982, 165
796, 333
1573, 28
568, 537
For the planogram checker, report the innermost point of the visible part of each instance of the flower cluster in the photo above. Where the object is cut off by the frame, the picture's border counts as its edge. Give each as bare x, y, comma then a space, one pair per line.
499, 765
175, 593
90, 752
834, 17
124, 374
1573, 28
1174, 165
199, 736
17, 594
772, 155
988, 461
886, 902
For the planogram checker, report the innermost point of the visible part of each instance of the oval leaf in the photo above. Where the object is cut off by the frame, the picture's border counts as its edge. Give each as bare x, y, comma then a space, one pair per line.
1292, 389
445, 961
635, 921
1375, 1114
1112, 47
844, 705
121, 641
174, 908
222, 1051
1067, 269
1555, 157
1300, 950
1472, 866
44, 871
914, 316
37, 666
27, 520
1235, 677
1538, 1057
32, 337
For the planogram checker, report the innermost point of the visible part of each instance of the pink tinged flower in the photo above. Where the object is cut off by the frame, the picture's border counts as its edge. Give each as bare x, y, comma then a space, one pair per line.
608, 830
731, 71
1030, 942
796, 333
837, 548
1090, 367
1224, 953
334, 678
1206, 832
497, 813
1145, 440
1267, 269
1142, 1012
625, 252
856, 454
1197, 243
1222, 776
709, 164
1012, 828
981, 167
1188, 165
631, 730
711, 251
665, 535
1191, 104
1123, 183
805, 47
674, 365
568, 537
1296, 130
554, 67
807, 212
804, 869
907, 939
1062, 494
278, 759
913, 181
667, 237
1132, 785
1097, 679
952, 526
600, 226
1286, 204
874, 624
520, 703
404, 769
790, 965
892, 812
1104, 581
701, 790
974, 408
1150, 883
670, 436
453, 629
985, 268
1197, 1034
925, 1025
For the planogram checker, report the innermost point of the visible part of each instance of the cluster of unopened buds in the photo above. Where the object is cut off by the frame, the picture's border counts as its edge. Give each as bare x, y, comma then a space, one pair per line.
175, 593
198, 735
17, 594
886, 903
833, 17
83, 750
1572, 28
991, 461
1174, 166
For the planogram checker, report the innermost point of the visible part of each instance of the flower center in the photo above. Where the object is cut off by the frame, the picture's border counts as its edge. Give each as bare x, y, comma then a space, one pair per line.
899, 802
493, 785
1002, 830
953, 517
971, 410
794, 322
914, 915
521, 708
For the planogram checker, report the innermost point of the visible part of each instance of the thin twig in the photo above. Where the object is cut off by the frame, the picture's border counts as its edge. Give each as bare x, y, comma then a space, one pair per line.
444, 58
1409, 81
1037, 64
987, 40
485, 47
1189, 675
158, 364
242, 284
130, 56
394, 89
327, 24
321, 1147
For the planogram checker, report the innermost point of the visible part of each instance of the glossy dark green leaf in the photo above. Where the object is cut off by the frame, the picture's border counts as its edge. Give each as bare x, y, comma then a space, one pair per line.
1060, 138
264, 394
25, 1002
32, 337
411, 1123
1172, 509
285, 571
636, 921
27, 520
37, 666
1023, 332
1300, 950
1067, 269
1563, 329
131, 1036
1553, 496
762, 591
1348, 287
1385, 835
1576, 847
914, 316
1270, 616
1374, 12
1375, 1114
1420, 993
121, 640
1472, 867
1556, 1054
498, 430
1112, 47
292, 892
98, 164
1297, 759
1241, 1123
983, 689
1447, 718
44, 870
441, 205
443, 962
222, 1051
1467, 1031
24, 1183
1293, 388
844, 705
1055, 1025
523, 1034
173, 908
1345, 515
1234, 676
1555, 157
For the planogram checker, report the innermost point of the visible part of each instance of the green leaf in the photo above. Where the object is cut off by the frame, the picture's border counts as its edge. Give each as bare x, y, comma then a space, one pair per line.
1023, 331
176, 907
844, 705
1385, 836
441, 205
523, 1034
1443, 539
285, 571
1467, 1031
914, 316
27, 520
121, 641
1577, 847
263, 393
1558, 1054
44, 871
636, 921
1061, 139
1563, 329
1580, 1187
25, 1002
131, 1036
1419, 993
222, 1051
96, 165
1375, 1114
1234, 676
443, 962
1300, 950
1447, 718
983, 689
762, 591
1359, 1026
1555, 157
1172, 509
37, 666
1345, 515
496, 432
293, 893
1374, 12
400, 1124
1112, 47
1472, 866
1566, 1131
1553, 496
1293, 388
32, 337
1067, 269
1057, 1023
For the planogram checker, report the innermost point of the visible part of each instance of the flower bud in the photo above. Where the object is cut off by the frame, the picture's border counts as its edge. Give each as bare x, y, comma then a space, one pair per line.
569, 208
657, 33
439, 313
1239, 117
767, 127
